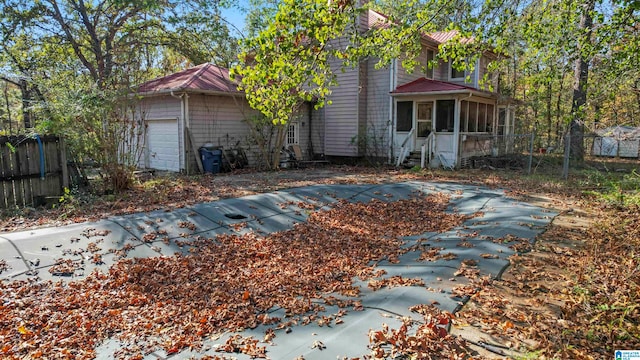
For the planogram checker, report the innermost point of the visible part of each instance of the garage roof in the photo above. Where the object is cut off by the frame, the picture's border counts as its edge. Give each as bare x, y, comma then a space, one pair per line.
205, 77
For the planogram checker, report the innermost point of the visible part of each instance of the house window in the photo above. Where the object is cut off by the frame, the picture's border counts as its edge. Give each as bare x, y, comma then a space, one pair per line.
479, 116
429, 70
473, 116
292, 134
464, 110
482, 117
490, 116
444, 115
404, 112
455, 73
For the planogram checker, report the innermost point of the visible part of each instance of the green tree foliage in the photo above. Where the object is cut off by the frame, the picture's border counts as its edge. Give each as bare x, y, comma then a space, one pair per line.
259, 15
77, 62
288, 63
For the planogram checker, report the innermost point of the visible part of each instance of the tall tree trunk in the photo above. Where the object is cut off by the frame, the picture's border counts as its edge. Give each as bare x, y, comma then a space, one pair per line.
549, 98
559, 109
26, 103
27, 99
580, 80
6, 99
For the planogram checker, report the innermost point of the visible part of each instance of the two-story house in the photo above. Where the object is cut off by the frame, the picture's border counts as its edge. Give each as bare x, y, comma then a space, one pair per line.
445, 110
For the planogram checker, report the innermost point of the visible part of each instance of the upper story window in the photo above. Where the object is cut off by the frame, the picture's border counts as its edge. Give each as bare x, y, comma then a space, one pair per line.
455, 73
429, 70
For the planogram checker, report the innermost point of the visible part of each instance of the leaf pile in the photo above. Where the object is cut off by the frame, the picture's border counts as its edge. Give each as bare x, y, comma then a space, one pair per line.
231, 284
429, 340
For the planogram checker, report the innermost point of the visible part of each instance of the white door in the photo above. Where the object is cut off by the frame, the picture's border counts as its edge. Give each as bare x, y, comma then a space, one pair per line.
424, 123
163, 149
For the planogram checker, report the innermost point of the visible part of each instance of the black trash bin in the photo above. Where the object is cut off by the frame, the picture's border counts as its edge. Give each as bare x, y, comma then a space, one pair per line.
211, 160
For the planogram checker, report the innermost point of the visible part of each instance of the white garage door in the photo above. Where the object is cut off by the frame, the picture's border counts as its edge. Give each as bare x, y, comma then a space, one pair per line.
162, 145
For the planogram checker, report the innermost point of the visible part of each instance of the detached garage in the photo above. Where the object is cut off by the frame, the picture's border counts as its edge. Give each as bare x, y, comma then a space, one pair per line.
183, 111
201, 106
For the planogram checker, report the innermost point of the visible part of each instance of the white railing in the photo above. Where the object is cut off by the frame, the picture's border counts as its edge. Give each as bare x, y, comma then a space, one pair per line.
404, 150
427, 150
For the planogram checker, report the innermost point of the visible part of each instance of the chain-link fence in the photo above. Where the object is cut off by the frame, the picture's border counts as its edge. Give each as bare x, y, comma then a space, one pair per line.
529, 152
603, 153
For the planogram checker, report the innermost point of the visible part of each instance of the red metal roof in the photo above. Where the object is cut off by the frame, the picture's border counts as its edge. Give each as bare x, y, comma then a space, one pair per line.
204, 77
376, 20
424, 85
444, 36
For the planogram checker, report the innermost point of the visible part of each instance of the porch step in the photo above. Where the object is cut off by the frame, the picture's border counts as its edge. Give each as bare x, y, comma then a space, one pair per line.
414, 155
412, 160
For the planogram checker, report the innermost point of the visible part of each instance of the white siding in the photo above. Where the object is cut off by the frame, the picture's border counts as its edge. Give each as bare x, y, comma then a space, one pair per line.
378, 120
341, 117
162, 108
441, 72
363, 89
418, 72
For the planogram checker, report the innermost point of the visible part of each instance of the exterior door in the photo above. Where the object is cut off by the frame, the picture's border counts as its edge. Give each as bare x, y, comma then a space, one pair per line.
163, 148
424, 122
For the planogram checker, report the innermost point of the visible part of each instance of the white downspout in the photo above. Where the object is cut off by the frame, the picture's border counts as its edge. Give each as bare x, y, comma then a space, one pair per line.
457, 122
392, 77
187, 122
456, 132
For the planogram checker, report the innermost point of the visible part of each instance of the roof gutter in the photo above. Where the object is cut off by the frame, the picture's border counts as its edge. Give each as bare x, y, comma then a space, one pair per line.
184, 91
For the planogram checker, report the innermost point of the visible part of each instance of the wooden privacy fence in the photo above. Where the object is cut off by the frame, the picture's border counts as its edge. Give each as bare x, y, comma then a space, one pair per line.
31, 170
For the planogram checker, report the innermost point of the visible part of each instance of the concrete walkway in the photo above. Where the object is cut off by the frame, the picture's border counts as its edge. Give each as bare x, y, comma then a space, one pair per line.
33, 253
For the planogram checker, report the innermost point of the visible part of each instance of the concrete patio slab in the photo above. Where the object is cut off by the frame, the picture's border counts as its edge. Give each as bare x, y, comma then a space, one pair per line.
484, 239
14, 261
74, 244
233, 211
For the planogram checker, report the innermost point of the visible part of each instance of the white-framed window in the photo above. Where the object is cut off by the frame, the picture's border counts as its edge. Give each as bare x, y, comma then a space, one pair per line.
404, 116
429, 69
445, 115
293, 136
455, 74
476, 117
